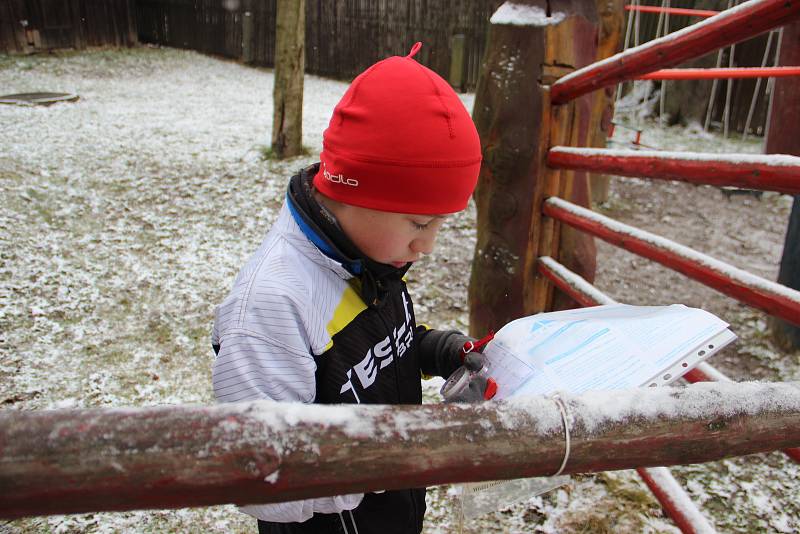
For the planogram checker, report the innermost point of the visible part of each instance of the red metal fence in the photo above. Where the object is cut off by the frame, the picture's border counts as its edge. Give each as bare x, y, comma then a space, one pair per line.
776, 173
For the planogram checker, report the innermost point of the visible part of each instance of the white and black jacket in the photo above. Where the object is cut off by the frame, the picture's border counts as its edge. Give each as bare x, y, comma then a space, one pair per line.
310, 319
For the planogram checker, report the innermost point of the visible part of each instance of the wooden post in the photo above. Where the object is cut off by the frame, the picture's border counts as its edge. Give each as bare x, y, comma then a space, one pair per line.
287, 98
612, 19
77, 25
457, 49
514, 119
13, 21
248, 22
783, 137
70, 461
131, 30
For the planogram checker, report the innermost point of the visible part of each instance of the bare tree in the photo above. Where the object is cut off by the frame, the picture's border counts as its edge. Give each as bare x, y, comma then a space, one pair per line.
290, 60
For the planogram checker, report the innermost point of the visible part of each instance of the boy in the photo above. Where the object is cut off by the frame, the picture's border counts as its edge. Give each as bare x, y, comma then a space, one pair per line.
320, 313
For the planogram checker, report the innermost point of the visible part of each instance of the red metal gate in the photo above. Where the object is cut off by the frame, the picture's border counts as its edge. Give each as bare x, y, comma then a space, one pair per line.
772, 173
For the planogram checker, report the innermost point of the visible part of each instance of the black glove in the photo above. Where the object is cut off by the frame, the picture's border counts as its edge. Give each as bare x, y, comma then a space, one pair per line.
440, 351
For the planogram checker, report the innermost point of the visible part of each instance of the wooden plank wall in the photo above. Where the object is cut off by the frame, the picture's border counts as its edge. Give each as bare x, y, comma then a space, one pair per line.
28, 26
204, 25
343, 37
12, 31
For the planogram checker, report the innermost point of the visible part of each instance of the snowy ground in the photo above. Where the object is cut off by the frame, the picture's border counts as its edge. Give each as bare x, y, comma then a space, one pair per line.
126, 215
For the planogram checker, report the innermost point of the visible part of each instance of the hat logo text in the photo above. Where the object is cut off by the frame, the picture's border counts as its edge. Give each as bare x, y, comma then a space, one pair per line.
339, 178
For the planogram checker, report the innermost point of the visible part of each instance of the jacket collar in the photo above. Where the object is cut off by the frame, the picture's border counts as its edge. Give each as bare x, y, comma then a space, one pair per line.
321, 228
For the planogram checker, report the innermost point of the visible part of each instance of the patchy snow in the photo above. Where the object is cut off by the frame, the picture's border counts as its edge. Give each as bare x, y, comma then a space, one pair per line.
126, 215
514, 14
678, 498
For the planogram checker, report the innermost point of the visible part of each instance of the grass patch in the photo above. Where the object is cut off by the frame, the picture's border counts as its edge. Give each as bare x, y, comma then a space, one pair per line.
633, 495
268, 154
592, 524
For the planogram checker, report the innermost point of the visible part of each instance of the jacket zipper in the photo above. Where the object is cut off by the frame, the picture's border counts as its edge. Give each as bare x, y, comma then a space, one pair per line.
397, 385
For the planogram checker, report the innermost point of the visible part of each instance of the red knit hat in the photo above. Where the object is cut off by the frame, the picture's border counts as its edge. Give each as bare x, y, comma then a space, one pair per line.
400, 140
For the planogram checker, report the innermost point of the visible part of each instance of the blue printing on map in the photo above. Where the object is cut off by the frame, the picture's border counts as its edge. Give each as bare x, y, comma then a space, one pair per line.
570, 351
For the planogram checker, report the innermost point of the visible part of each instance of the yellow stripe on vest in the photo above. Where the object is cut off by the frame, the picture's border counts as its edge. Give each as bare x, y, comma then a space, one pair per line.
347, 310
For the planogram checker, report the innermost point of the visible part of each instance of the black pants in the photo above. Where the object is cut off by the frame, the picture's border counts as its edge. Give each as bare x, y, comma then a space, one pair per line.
390, 512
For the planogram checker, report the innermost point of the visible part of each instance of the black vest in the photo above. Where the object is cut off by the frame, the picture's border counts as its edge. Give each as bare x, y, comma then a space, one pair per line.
373, 360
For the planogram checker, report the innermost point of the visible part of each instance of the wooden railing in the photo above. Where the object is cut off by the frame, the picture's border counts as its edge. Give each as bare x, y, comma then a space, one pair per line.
69, 461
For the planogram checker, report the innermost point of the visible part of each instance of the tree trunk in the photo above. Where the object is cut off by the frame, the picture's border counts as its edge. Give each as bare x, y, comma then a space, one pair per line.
287, 119
783, 137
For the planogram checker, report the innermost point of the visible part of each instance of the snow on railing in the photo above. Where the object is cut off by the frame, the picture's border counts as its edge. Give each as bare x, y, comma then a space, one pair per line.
69, 461
758, 292
572, 284
772, 172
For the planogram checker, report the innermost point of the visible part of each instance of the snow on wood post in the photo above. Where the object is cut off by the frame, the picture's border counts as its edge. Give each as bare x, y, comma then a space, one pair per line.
783, 137
70, 461
526, 51
290, 60
770, 173
733, 25
768, 296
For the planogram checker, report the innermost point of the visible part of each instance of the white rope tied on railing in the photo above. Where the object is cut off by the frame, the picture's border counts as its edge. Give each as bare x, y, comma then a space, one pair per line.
564, 409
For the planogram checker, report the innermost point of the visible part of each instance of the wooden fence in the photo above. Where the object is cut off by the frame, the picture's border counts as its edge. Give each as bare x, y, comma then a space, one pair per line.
28, 26
342, 37
73, 461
